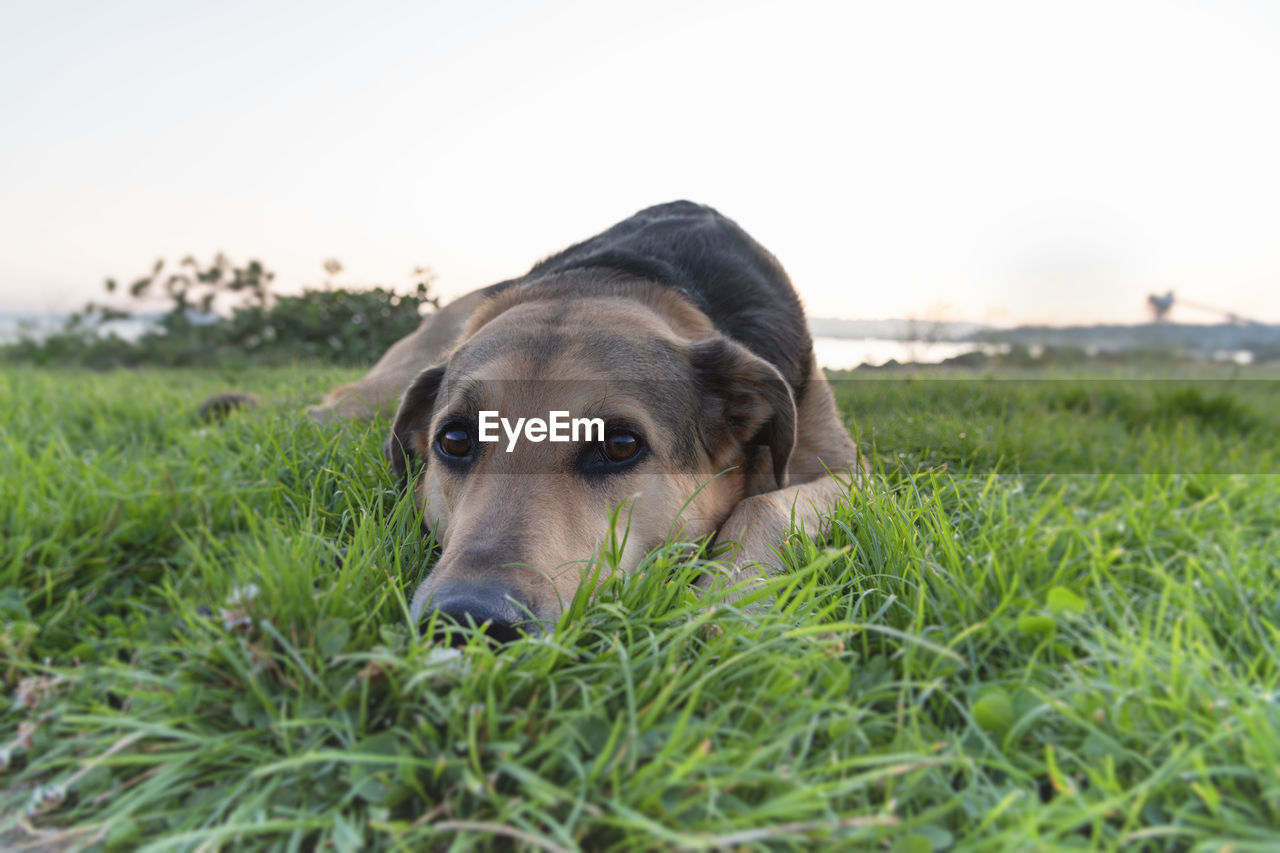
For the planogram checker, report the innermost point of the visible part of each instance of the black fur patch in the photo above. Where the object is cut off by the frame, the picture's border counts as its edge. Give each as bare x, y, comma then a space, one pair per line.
730, 277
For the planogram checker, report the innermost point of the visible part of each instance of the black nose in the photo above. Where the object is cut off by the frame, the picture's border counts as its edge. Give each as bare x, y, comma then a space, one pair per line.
490, 607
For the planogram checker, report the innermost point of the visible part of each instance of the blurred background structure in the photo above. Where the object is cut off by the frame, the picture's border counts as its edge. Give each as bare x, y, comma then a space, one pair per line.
1162, 303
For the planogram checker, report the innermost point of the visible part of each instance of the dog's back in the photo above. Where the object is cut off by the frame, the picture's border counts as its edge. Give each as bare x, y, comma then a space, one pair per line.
730, 277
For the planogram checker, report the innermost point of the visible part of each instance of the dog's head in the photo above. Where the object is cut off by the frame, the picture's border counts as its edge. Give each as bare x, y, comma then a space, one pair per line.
692, 423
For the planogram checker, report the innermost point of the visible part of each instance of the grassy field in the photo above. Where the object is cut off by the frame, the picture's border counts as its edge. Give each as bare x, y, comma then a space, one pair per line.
1048, 622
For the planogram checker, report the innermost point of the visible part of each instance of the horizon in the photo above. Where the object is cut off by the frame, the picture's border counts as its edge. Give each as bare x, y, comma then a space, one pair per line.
17, 316
998, 164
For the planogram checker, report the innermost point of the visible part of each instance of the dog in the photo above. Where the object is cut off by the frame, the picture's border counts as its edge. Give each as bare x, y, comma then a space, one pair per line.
676, 334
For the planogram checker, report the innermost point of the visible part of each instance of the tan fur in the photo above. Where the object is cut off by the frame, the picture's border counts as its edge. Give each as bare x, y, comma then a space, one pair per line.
634, 296
572, 522
562, 523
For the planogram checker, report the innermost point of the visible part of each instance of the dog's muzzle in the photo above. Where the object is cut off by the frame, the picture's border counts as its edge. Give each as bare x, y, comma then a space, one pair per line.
491, 607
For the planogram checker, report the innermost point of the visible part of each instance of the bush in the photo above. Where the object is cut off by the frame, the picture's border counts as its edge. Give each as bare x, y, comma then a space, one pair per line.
339, 325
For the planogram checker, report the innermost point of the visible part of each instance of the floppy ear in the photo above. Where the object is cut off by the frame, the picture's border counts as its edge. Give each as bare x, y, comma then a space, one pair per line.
414, 414
747, 410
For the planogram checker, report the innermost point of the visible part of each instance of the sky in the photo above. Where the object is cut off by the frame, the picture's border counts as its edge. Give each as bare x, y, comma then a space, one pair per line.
1001, 162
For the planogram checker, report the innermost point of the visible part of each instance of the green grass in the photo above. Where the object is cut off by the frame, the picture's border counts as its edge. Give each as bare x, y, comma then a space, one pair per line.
1049, 621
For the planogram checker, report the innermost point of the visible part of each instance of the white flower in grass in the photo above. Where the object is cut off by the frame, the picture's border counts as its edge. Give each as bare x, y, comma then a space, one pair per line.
234, 615
45, 798
243, 594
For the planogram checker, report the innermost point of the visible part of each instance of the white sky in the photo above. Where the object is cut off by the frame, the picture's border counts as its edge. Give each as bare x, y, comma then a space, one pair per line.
995, 161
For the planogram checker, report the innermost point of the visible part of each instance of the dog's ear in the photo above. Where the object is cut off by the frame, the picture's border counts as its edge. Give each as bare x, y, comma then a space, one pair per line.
414, 414
747, 407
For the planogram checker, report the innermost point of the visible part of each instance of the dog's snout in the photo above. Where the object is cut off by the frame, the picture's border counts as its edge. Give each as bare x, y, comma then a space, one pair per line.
493, 608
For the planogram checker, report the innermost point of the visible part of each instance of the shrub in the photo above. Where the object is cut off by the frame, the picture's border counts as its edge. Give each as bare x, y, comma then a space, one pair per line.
225, 314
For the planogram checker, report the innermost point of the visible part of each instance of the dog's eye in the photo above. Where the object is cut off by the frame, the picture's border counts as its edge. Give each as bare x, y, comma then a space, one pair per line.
455, 441
619, 445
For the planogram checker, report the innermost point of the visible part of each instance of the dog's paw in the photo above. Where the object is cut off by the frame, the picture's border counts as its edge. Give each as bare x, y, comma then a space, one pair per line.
345, 403
747, 546
754, 533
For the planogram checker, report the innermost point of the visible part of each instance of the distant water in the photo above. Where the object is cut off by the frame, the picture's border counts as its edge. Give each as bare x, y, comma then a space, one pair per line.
16, 326
848, 353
